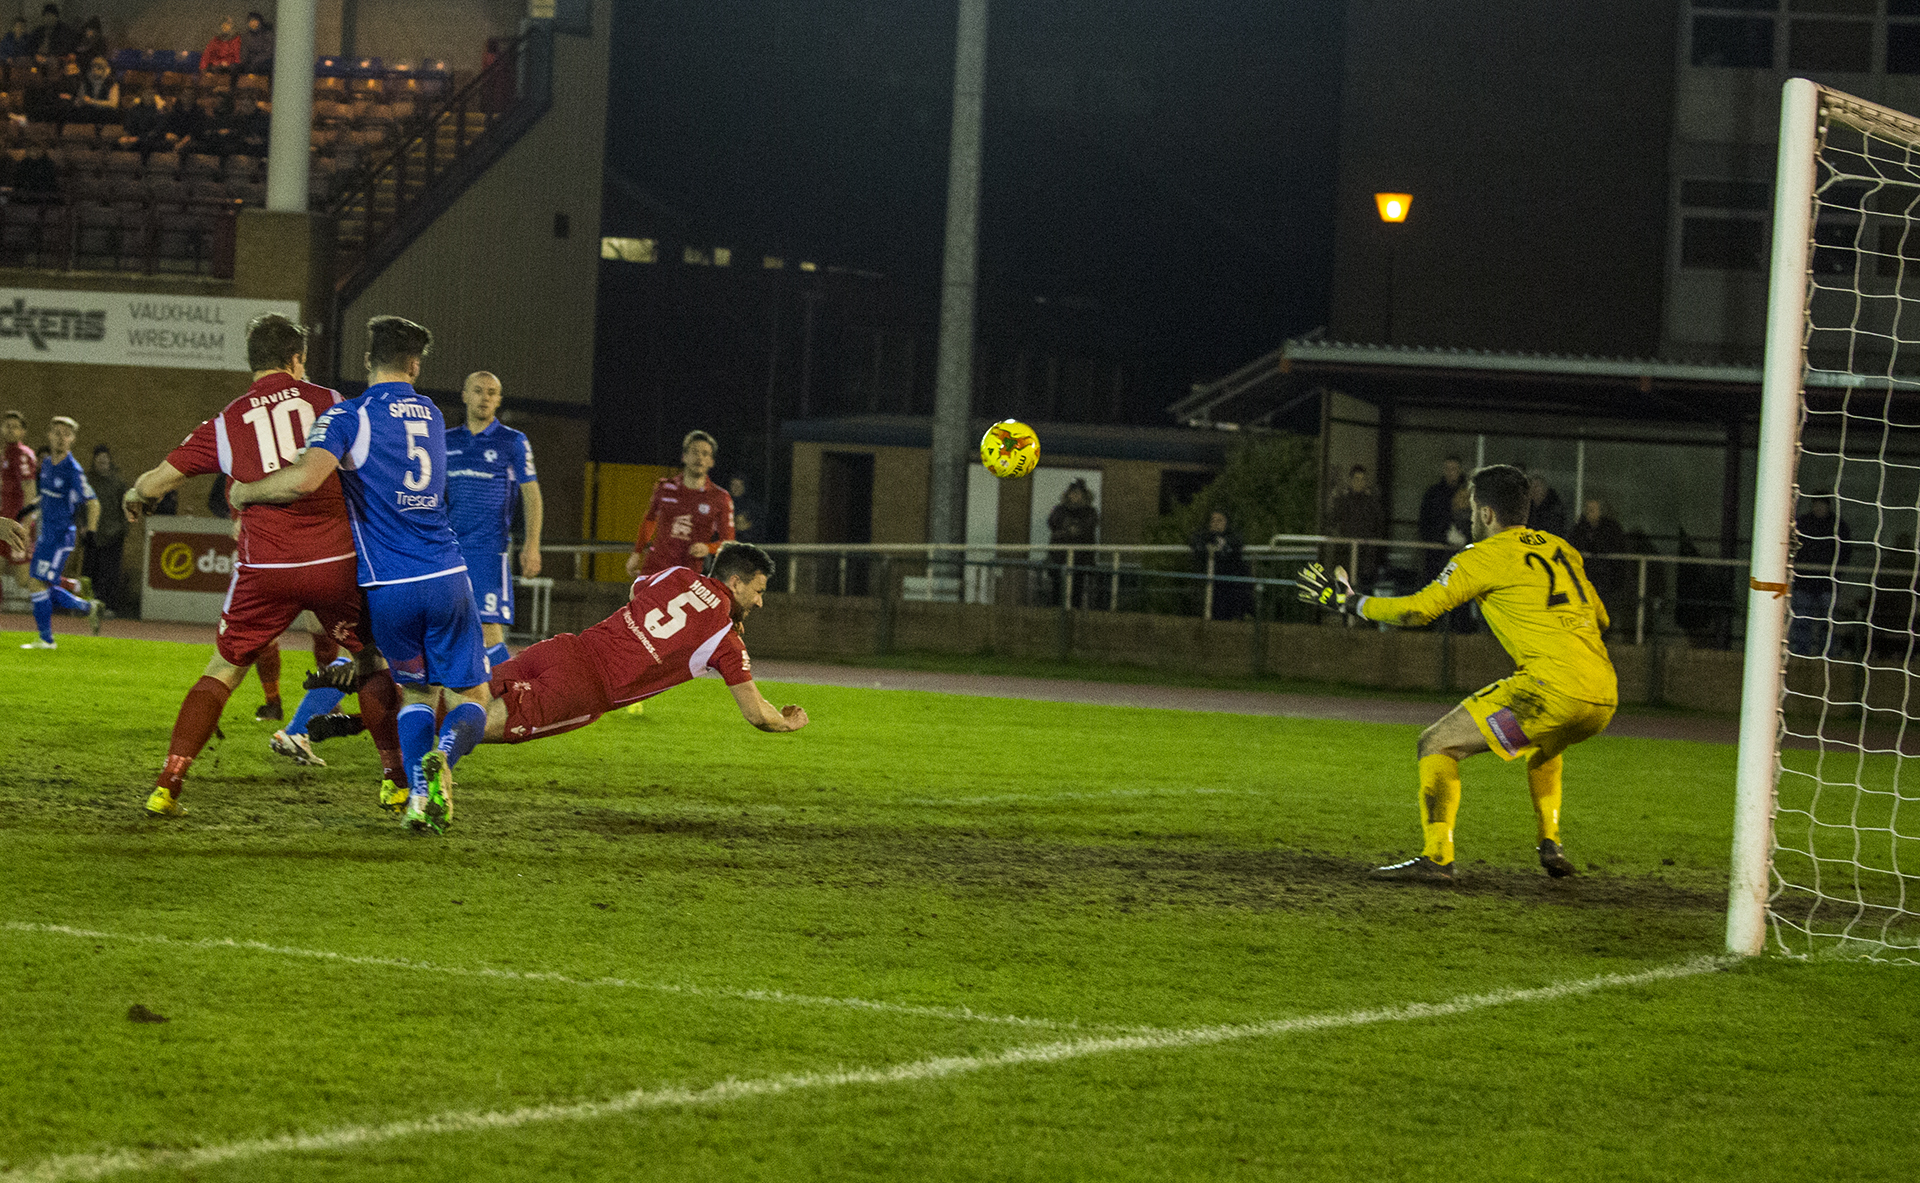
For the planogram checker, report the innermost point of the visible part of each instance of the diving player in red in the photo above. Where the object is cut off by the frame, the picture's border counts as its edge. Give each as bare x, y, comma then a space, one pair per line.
290, 557
678, 625
689, 517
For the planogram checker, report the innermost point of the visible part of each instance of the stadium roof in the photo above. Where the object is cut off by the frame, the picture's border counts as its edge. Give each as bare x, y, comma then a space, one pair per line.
1268, 387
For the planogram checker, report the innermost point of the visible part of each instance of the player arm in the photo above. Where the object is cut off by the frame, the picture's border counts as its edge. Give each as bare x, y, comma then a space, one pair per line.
755, 708
289, 483
13, 534
149, 487
93, 514
533, 510
1456, 585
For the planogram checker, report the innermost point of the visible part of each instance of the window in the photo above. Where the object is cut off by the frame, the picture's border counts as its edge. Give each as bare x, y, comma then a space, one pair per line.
1842, 46
1733, 41
1903, 7
1757, 5
1903, 49
629, 250
722, 256
1723, 244
1753, 195
693, 256
1850, 7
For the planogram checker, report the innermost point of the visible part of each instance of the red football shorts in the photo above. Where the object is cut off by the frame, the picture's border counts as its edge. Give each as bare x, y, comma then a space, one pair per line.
549, 688
262, 602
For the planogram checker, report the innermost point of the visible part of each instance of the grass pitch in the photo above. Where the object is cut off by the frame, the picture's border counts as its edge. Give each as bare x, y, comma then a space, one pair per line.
928, 937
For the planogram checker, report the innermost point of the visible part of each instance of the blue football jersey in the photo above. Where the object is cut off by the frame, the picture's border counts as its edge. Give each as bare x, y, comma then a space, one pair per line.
63, 490
391, 442
483, 473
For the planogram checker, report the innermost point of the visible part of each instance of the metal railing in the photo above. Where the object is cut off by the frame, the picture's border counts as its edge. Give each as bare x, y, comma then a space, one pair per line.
1098, 576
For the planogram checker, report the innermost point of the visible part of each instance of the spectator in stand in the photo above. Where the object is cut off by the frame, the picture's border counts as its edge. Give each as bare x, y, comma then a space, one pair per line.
256, 46
1074, 522
749, 516
53, 38
18, 43
1598, 533
143, 120
1547, 511
97, 99
108, 548
223, 52
1822, 545
220, 129
1231, 601
250, 126
1436, 516
92, 43
1356, 512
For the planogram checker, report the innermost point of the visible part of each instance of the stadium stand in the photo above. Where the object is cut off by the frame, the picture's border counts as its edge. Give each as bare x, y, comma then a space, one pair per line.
158, 190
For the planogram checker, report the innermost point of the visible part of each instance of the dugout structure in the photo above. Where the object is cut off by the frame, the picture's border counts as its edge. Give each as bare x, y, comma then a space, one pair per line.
1826, 850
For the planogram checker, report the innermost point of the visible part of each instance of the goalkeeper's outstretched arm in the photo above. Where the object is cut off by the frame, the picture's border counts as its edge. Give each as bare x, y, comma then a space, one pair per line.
1454, 588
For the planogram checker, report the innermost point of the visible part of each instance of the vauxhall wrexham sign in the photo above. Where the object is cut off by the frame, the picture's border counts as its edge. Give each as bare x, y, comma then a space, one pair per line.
129, 328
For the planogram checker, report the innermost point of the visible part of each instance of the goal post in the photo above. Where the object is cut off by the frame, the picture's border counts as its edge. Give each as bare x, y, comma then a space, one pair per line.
1826, 835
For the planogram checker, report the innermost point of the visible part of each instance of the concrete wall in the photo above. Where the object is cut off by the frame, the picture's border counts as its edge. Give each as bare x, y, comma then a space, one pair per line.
499, 289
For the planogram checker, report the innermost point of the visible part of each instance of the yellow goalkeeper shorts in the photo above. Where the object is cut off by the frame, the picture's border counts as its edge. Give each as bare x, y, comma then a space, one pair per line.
1521, 715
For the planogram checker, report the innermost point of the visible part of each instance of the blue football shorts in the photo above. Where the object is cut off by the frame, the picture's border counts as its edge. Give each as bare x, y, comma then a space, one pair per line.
492, 575
50, 556
429, 631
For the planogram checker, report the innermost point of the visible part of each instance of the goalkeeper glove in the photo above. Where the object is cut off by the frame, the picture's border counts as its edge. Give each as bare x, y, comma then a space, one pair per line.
1334, 594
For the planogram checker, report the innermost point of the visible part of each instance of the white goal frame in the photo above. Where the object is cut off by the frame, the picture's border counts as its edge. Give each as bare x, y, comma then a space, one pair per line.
1791, 290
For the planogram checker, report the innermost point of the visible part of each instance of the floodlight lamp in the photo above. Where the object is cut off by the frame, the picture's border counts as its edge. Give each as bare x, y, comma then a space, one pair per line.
1393, 206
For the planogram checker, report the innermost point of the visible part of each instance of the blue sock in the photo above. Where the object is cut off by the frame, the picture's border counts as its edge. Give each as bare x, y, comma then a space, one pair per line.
316, 702
67, 601
43, 614
497, 654
462, 728
415, 724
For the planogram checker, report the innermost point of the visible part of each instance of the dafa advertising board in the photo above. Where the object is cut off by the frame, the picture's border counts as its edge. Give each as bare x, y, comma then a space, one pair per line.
130, 328
189, 565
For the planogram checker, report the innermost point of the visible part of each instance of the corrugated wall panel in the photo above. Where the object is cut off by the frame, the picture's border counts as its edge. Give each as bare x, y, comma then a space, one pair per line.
499, 290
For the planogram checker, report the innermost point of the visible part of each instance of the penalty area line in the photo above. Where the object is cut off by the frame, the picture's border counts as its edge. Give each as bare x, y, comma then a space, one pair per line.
96, 1166
730, 993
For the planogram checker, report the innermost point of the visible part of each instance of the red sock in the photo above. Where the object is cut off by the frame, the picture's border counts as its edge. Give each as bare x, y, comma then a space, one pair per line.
325, 649
199, 715
379, 708
267, 665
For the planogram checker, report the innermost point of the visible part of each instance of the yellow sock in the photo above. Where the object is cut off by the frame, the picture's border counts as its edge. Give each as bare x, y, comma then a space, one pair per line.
1439, 804
1543, 782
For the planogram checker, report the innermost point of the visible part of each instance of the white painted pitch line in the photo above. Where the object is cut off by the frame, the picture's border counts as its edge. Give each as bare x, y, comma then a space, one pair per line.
778, 997
96, 1166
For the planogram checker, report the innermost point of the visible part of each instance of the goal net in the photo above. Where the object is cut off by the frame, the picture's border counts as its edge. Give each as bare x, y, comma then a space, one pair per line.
1827, 831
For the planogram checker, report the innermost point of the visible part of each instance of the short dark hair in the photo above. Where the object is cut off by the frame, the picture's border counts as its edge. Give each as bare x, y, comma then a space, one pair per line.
14, 415
394, 340
696, 434
273, 342
1505, 489
1356, 468
741, 560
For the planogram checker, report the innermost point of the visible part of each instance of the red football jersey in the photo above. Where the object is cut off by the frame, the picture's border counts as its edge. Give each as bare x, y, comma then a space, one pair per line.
257, 433
677, 626
682, 517
18, 465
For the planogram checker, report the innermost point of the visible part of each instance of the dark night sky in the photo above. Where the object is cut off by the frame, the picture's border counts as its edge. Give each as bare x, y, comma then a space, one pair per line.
1167, 170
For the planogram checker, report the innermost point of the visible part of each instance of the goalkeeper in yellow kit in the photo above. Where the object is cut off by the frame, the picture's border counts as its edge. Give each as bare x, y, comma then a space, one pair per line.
1533, 590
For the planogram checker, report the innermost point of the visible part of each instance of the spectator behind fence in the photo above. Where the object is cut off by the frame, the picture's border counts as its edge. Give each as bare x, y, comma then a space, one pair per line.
1821, 544
1436, 516
97, 98
1596, 533
108, 548
52, 37
1356, 512
1074, 522
256, 46
92, 42
223, 52
1231, 601
1547, 511
19, 42
749, 516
